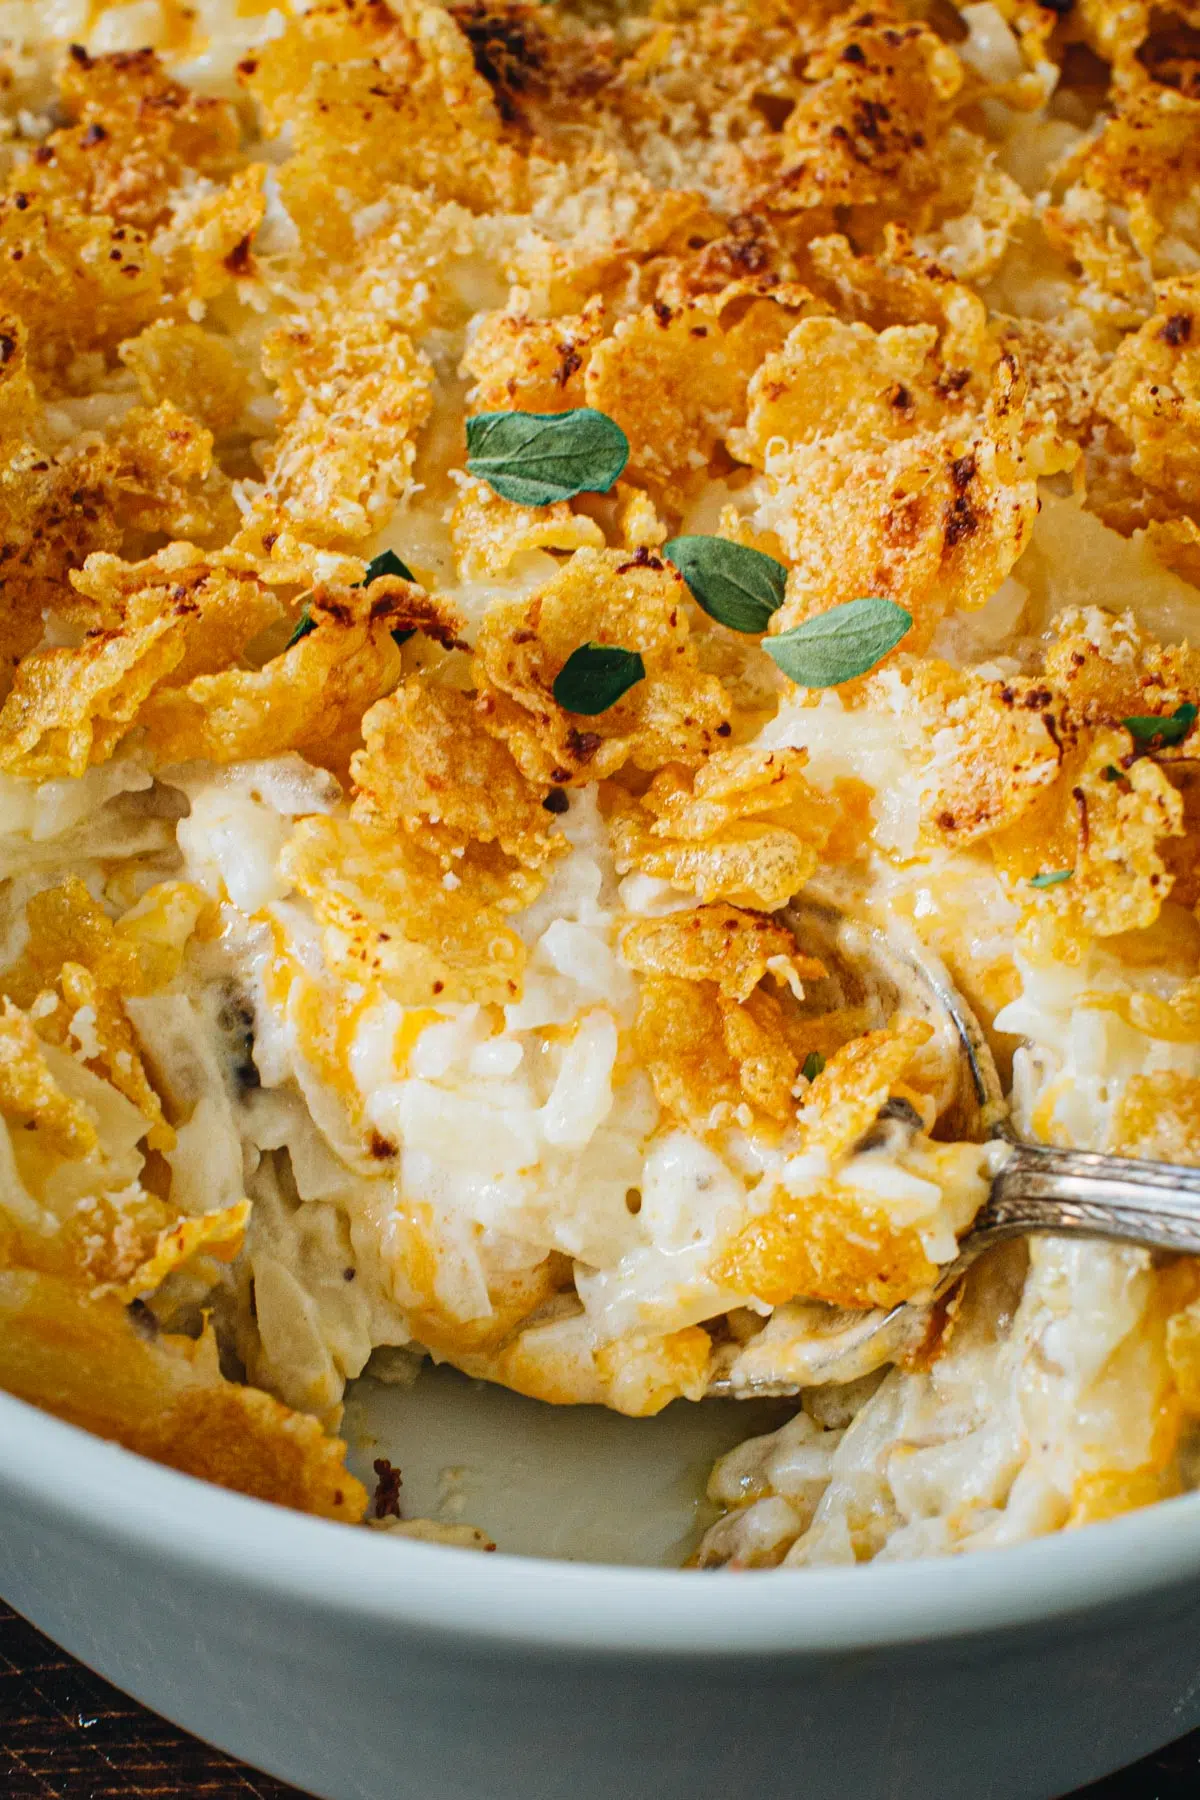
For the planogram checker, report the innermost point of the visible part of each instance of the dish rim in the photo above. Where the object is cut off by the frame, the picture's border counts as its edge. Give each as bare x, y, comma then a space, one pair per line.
601, 1608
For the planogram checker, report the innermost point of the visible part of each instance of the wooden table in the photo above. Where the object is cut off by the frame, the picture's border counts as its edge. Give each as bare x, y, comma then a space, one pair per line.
66, 1735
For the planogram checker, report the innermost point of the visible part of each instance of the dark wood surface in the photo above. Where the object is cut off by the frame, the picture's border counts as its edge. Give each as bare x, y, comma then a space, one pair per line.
67, 1735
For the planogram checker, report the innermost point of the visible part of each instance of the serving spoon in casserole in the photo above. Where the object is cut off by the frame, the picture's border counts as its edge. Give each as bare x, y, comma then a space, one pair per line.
1037, 1188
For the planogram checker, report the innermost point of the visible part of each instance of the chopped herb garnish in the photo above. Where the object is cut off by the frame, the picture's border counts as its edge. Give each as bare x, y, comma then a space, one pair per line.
736, 586
1146, 728
304, 624
1110, 772
594, 677
386, 563
538, 458
814, 1062
1054, 878
839, 644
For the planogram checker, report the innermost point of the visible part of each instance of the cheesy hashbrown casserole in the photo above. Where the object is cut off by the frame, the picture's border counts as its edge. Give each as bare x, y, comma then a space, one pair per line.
495, 499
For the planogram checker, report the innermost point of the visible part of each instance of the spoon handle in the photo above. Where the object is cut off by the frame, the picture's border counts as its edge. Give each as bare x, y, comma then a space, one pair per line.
1084, 1193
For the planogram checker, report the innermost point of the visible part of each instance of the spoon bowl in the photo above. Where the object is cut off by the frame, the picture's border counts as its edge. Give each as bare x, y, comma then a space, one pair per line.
1037, 1188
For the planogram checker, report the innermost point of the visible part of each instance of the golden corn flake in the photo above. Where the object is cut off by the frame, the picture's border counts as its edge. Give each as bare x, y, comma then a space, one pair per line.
711, 1059
602, 597
100, 1028
75, 948
312, 696
881, 483
1145, 160
428, 769
19, 407
840, 1246
164, 618
1175, 1020
1107, 829
488, 531
133, 135
375, 96
719, 943
1110, 669
674, 378
1152, 392
53, 512
67, 925
29, 1095
166, 480
164, 1396
219, 1235
1182, 854
747, 827
393, 916
208, 245
846, 1096
1158, 1116
352, 393
197, 370
224, 604
523, 364
873, 103
829, 375
990, 748
69, 707
898, 287
79, 282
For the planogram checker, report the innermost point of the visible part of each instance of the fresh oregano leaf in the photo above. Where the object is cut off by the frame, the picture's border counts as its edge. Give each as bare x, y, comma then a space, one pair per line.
1054, 878
1171, 730
814, 1062
594, 677
304, 624
736, 586
386, 563
839, 644
538, 458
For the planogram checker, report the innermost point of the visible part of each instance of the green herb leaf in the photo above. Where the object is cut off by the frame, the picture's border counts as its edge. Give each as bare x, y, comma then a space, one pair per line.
1054, 878
839, 644
386, 563
538, 458
735, 585
594, 677
1171, 730
1110, 772
304, 624
814, 1062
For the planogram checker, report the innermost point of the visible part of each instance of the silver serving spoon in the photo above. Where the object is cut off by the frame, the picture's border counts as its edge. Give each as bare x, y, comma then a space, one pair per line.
1069, 1193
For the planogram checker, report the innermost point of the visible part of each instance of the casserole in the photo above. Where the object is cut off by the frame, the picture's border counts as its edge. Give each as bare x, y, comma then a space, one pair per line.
355, 1668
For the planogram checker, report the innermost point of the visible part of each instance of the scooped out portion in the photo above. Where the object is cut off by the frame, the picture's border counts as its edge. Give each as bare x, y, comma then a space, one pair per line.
496, 507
